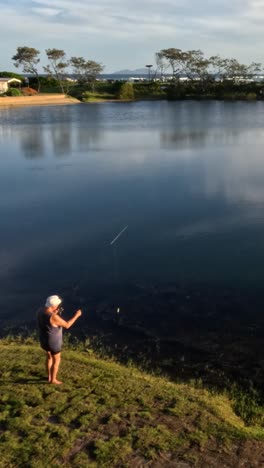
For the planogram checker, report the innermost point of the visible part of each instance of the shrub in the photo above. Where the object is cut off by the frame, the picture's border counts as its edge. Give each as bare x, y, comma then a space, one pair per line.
90, 96
175, 92
147, 90
126, 92
82, 92
107, 87
13, 92
251, 96
28, 91
86, 96
45, 82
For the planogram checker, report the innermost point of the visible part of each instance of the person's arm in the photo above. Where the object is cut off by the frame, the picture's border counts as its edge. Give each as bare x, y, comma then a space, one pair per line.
57, 321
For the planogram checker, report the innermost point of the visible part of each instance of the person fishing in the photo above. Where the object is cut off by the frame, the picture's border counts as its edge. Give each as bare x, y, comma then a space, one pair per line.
50, 326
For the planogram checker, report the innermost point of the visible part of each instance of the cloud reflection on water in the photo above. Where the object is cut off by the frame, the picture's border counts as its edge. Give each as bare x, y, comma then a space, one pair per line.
175, 172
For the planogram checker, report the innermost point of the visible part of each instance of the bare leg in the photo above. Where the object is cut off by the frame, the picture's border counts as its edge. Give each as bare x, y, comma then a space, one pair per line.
49, 365
54, 368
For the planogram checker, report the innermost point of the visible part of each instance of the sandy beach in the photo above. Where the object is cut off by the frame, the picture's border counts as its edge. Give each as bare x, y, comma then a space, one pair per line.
38, 100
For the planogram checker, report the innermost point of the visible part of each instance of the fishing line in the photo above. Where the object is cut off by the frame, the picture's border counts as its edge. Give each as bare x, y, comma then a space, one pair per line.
115, 264
115, 255
118, 235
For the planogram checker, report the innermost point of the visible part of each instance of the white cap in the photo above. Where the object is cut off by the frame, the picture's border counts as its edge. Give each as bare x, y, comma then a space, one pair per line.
53, 301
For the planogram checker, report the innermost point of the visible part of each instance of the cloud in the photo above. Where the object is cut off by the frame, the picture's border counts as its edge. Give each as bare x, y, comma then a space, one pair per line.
115, 30
46, 11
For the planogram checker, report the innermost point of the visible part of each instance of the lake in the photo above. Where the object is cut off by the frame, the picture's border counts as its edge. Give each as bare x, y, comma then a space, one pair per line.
186, 180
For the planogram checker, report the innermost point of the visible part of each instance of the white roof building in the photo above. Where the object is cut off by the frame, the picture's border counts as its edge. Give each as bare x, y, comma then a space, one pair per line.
4, 83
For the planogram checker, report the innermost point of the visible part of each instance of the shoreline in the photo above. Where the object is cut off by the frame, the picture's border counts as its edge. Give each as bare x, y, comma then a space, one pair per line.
39, 100
187, 331
64, 99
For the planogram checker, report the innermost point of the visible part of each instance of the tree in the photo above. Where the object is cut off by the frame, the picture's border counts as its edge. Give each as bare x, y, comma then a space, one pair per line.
231, 69
177, 60
162, 66
27, 57
78, 65
126, 92
197, 66
254, 68
234, 69
218, 65
57, 66
86, 71
237, 71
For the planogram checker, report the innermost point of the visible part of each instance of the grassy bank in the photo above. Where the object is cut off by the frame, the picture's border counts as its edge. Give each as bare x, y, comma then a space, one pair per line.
171, 91
106, 414
119, 91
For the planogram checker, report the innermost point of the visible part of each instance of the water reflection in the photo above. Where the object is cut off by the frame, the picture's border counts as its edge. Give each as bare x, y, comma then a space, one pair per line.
61, 138
184, 139
32, 143
88, 138
186, 177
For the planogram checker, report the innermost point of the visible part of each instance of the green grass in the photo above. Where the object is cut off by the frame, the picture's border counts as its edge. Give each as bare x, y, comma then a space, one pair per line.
104, 414
89, 96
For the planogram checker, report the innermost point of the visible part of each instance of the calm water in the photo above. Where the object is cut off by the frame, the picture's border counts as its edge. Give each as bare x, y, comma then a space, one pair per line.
186, 178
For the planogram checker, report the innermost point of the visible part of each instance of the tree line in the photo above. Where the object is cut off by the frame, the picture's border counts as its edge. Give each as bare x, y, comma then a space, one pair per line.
194, 64
86, 71
200, 70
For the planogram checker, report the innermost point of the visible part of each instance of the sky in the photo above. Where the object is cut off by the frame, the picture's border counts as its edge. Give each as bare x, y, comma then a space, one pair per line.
123, 34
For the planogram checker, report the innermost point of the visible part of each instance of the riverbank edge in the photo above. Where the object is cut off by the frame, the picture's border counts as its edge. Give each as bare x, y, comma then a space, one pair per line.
64, 99
40, 100
58, 99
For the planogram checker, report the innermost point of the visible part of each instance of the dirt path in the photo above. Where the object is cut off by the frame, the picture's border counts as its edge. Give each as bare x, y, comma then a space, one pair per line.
38, 100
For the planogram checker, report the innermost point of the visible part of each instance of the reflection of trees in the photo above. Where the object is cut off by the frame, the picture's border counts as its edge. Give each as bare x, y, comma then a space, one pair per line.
181, 138
35, 140
81, 125
61, 136
88, 138
32, 143
89, 133
189, 124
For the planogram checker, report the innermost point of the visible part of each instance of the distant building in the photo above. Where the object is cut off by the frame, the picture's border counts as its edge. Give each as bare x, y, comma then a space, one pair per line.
70, 80
136, 79
5, 82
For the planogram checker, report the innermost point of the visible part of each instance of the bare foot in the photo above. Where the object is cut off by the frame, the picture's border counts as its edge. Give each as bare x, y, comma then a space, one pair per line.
56, 382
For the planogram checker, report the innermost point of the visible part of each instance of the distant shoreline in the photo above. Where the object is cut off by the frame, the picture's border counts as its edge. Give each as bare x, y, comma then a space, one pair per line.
39, 100
63, 99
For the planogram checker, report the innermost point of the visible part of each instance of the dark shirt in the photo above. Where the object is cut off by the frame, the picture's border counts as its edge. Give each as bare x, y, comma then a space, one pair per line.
50, 337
